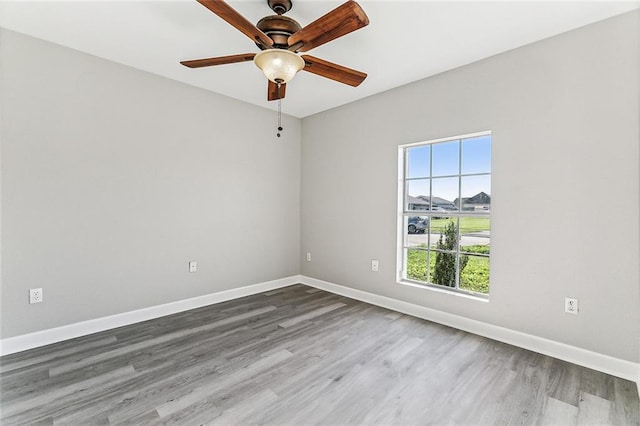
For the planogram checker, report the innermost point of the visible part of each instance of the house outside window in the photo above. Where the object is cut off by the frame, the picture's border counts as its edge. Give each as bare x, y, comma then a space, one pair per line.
445, 213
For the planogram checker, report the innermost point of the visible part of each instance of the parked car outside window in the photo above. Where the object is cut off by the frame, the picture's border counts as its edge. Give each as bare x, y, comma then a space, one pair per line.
417, 224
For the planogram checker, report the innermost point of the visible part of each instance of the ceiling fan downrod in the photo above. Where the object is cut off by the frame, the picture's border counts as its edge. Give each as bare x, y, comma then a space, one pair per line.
280, 6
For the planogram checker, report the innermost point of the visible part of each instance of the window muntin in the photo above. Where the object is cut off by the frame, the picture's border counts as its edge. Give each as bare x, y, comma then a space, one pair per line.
446, 209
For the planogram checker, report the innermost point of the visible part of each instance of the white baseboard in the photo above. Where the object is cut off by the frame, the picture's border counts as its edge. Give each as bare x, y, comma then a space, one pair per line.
58, 334
596, 361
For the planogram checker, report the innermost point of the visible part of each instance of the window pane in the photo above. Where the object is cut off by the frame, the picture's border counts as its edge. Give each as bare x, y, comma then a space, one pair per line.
443, 233
417, 231
445, 192
474, 274
443, 268
476, 192
446, 160
475, 235
476, 155
418, 194
418, 161
417, 264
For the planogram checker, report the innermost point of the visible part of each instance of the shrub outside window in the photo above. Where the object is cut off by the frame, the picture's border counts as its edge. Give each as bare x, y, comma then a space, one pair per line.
445, 211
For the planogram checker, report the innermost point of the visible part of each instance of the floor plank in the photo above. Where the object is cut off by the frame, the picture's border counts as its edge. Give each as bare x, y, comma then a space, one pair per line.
557, 412
594, 410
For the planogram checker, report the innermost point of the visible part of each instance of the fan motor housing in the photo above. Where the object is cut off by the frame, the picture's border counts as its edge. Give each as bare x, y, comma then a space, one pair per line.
278, 28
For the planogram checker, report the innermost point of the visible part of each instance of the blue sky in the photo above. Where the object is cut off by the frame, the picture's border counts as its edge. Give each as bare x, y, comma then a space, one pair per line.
476, 158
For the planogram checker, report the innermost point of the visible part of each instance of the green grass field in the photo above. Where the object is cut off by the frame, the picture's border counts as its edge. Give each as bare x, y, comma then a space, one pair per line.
467, 224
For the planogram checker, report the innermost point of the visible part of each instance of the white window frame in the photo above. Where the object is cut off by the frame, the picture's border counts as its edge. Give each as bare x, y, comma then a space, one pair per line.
403, 212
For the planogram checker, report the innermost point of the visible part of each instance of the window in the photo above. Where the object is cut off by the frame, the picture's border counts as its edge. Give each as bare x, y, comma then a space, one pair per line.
445, 210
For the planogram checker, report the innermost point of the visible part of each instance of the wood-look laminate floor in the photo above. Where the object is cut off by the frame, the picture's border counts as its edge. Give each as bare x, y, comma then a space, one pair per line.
302, 356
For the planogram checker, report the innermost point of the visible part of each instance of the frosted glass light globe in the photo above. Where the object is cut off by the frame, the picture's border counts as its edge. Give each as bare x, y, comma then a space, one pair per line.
278, 65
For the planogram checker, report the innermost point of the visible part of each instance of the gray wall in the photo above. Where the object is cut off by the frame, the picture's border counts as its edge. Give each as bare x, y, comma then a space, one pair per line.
113, 179
565, 197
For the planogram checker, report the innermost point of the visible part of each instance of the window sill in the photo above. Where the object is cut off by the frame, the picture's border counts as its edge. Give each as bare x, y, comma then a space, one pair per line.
452, 292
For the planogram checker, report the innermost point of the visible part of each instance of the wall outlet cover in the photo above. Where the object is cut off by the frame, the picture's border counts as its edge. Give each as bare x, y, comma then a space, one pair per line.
35, 295
571, 305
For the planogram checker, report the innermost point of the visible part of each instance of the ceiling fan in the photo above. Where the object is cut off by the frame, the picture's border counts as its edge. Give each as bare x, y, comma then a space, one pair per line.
280, 38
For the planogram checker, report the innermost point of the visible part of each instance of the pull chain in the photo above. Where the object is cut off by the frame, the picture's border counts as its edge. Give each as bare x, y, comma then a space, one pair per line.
279, 114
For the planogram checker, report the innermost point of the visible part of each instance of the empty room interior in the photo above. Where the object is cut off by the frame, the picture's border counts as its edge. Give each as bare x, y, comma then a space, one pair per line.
438, 222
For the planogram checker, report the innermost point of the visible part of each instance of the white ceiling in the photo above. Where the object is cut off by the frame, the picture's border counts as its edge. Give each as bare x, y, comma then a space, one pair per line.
405, 41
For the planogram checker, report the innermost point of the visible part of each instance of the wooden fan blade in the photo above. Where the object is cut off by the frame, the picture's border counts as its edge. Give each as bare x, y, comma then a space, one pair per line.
220, 60
333, 71
229, 14
274, 92
340, 21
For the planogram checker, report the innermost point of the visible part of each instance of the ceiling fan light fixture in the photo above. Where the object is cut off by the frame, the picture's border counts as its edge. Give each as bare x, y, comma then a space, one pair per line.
279, 65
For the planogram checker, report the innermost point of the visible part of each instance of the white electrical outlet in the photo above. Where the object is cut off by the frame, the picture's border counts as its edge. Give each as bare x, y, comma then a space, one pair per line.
571, 305
193, 266
308, 256
35, 295
374, 265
